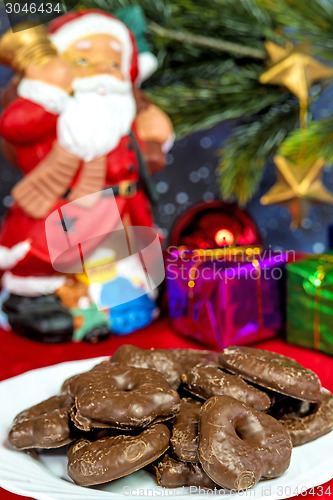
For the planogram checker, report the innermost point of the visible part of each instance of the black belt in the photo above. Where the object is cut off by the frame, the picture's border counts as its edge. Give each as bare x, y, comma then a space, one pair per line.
126, 189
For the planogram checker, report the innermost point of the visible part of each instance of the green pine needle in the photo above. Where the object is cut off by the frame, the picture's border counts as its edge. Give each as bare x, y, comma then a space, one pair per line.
246, 152
308, 145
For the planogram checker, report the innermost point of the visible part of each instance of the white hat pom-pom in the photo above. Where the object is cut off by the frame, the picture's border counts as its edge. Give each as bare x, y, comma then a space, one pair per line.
9, 257
147, 65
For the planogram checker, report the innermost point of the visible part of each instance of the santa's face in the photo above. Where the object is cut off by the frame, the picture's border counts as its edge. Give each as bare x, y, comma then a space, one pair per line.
102, 109
94, 55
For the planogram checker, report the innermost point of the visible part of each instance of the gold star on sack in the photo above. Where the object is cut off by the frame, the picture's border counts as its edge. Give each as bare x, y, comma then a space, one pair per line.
294, 68
298, 187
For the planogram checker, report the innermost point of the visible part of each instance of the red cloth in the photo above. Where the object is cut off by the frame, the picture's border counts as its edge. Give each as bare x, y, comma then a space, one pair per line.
19, 355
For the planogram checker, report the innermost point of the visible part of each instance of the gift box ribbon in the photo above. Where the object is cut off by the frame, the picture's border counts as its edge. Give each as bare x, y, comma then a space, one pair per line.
313, 285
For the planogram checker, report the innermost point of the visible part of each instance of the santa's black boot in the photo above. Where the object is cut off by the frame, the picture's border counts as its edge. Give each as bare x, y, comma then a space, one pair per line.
41, 318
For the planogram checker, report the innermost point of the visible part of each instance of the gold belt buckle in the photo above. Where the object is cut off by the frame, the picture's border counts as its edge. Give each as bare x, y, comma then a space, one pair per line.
127, 189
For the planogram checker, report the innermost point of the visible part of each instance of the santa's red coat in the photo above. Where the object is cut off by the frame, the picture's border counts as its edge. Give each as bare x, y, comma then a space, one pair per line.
32, 130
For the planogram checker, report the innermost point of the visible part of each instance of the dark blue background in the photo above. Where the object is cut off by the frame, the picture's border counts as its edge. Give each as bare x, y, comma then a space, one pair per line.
190, 178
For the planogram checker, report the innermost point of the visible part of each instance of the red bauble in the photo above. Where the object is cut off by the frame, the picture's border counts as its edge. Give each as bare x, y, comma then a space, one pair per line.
215, 224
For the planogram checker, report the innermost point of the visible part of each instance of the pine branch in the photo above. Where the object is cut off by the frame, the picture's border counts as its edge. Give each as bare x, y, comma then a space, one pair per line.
199, 98
310, 144
247, 151
310, 20
242, 22
207, 42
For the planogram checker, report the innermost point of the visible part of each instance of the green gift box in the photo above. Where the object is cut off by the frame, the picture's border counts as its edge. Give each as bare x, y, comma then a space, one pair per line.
310, 303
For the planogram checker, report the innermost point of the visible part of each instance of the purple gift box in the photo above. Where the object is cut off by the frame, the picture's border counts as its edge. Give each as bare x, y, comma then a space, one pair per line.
221, 301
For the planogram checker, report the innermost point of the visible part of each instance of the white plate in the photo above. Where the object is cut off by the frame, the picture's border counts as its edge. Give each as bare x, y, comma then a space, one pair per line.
46, 479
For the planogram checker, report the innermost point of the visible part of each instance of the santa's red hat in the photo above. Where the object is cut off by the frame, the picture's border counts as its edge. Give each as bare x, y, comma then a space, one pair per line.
67, 29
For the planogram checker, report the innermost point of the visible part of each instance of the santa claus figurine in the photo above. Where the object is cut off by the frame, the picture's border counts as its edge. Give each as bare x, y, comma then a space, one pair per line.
78, 126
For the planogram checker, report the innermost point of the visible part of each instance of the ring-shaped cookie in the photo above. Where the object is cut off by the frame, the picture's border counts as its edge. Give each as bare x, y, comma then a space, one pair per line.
239, 445
121, 397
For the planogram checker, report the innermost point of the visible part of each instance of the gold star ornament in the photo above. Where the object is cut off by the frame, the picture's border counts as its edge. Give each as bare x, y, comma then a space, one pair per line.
298, 187
294, 68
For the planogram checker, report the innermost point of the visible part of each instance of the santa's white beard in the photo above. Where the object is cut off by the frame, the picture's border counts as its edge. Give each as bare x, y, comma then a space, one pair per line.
99, 114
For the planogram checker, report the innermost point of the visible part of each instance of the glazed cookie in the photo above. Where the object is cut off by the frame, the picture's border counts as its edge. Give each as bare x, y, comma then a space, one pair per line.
172, 363
157, 359
73, 384
45, 425
122, 397
184, 439
207, 381
188, 358
303, 429
111, 457
239, 445
272, 371
172, 473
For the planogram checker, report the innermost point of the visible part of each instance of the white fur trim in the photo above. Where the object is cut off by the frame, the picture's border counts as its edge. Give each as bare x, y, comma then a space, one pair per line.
147, 65
51, 97
9, 257
91, 24
31, 286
